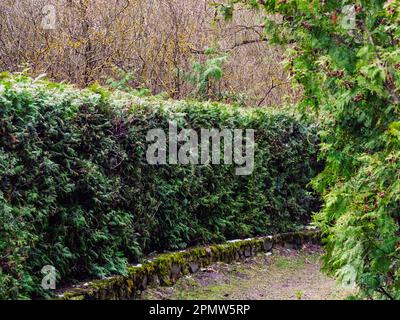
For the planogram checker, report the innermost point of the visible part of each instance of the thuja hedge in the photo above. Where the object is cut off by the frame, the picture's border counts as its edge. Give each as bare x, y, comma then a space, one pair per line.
77, 193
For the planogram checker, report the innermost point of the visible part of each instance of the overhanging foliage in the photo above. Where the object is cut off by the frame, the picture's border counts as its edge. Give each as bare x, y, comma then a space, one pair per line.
349, 69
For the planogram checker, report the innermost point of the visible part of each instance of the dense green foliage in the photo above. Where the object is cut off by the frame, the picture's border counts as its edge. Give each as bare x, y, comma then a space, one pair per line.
204, 75
77, 193
347, 60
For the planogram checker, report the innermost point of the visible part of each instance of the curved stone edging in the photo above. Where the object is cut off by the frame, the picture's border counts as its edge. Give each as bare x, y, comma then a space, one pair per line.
165, 269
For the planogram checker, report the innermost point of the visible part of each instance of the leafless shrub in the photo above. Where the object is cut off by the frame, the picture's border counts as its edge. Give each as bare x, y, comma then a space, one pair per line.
152, 39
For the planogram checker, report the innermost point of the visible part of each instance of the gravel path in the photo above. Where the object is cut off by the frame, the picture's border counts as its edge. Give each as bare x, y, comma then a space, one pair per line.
284, 275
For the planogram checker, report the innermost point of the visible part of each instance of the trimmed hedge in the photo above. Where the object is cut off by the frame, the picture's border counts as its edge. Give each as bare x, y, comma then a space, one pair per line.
76, 191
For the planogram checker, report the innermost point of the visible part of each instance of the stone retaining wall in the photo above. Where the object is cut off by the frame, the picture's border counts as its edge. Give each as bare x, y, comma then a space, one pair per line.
165, 269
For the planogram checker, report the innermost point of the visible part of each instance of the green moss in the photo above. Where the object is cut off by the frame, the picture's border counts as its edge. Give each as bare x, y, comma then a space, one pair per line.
169, 267
253, 280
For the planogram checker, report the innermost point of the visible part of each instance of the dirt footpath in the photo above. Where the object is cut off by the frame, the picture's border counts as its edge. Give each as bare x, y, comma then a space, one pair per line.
284, 275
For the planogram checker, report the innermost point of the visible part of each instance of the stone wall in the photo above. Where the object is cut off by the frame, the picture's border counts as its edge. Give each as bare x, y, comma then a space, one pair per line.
165, 269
